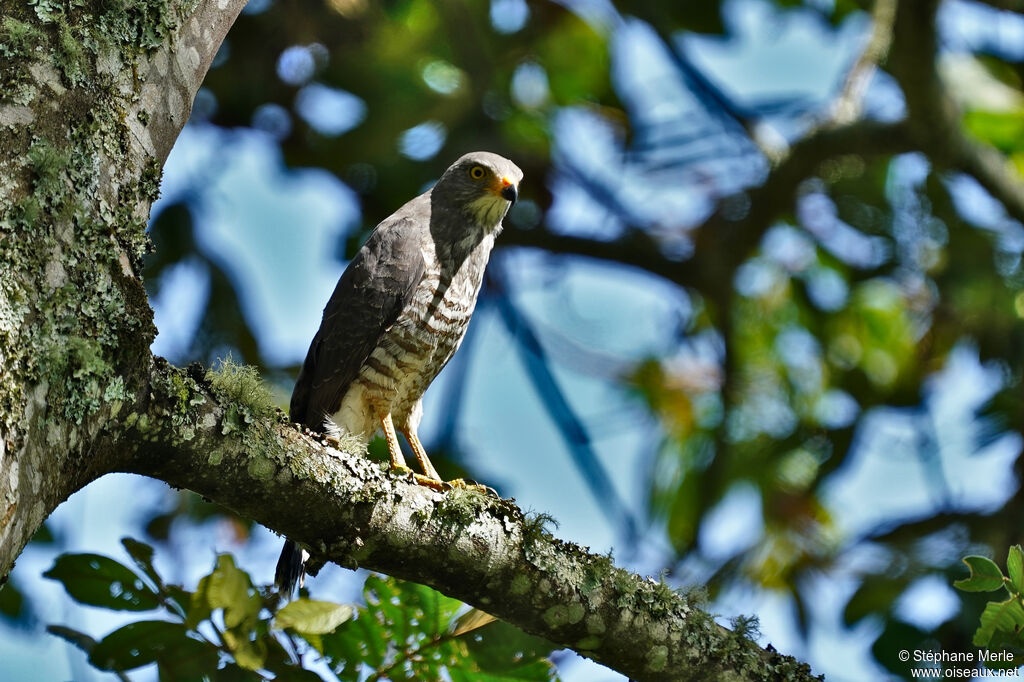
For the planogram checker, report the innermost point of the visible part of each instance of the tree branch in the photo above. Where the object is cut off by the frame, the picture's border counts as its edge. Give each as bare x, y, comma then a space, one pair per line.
847, 106
174, 72
934, 119
726, 238
479, 549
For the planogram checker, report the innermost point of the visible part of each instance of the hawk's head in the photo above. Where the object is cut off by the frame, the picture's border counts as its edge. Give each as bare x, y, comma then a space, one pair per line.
482, 185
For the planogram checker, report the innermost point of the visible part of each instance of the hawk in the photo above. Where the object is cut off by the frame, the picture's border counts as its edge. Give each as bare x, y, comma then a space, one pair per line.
398, 314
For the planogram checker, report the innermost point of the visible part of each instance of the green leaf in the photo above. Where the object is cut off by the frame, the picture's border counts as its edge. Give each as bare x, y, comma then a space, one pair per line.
230, 588
395, 611
149, 641
683, 516
142, 555
350, 646
536, 671
985, 575
1015, 567
1003, 643
309, 617
421, 623
896, 638
12, 604
279, 661
575, 57
43, 536
1004, 616
234, 673
79, 639
101, 581
315, 641
1003, 130
179, 599
875, 595
199, 608
248, 654
503, 648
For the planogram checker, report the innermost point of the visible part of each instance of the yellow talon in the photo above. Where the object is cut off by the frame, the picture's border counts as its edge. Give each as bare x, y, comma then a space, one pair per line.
429, 478
432, 483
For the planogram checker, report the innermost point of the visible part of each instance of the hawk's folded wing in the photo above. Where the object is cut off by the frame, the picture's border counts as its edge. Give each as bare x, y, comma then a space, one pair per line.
374, 289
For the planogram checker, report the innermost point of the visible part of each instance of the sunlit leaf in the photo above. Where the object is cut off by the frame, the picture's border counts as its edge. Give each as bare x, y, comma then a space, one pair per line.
309, 617
1005, 616
472, 620
1004, 130
249, 653
230, 588
985, 575
1015, 568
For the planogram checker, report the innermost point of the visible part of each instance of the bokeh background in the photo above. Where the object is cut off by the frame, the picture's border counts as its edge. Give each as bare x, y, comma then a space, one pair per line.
815, 422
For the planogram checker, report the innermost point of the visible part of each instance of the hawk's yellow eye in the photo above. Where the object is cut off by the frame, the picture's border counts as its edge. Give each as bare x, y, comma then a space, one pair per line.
476, 172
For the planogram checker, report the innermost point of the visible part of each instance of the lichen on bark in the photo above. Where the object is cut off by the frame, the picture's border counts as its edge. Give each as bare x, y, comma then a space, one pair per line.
76, 184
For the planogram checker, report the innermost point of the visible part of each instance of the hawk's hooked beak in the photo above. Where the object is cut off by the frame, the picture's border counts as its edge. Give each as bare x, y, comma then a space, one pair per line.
508, 191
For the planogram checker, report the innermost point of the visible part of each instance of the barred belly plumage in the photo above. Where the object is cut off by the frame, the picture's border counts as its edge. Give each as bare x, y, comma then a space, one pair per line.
416, 347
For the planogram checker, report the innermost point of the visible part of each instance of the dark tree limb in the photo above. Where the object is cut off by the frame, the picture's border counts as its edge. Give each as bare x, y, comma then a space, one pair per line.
934, 119
727, 237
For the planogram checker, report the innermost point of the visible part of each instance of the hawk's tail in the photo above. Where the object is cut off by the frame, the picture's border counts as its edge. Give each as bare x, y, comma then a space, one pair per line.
291, 569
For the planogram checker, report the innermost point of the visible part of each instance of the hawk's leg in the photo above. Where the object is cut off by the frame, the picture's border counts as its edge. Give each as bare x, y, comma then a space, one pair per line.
421, 457
398, 460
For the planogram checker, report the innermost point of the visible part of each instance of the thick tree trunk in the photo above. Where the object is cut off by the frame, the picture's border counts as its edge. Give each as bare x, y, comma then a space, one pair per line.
90, 105
92, 101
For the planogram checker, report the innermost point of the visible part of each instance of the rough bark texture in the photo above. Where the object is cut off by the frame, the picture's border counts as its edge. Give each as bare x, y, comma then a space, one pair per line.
214, 439
93, 99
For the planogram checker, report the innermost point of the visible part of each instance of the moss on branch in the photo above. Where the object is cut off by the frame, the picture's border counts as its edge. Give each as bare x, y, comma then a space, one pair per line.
353, 511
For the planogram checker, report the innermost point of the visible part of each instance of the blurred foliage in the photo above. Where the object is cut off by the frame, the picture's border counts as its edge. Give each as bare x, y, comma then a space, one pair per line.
229, 629
847, 308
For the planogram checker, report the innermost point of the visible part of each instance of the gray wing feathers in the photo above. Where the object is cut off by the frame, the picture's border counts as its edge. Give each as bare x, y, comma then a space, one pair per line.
372, 292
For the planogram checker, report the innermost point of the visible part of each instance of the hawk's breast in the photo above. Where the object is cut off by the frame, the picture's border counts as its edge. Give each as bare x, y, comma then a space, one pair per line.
420, 342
